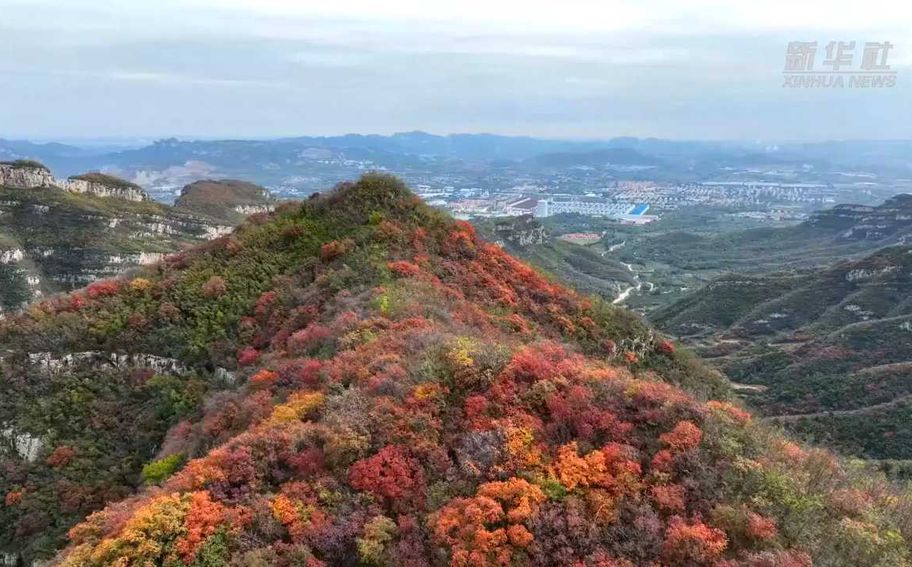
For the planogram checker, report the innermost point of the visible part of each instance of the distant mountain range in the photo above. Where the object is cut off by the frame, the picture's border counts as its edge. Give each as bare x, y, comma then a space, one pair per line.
296, 160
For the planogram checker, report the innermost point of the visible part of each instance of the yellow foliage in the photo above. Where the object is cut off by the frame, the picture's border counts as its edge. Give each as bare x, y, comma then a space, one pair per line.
146, 539
298, 406
140, 284
460, 354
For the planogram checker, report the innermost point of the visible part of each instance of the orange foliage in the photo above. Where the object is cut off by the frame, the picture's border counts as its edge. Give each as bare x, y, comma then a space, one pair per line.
608, 468
730, 410
60, 457
488, 528
692, 543
14, 498
264, 379
203, 519
333, 249
685, 436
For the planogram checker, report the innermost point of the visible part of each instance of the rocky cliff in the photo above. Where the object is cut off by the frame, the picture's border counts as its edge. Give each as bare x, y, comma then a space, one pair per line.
520, 231
25, 174
102, 185
64, 235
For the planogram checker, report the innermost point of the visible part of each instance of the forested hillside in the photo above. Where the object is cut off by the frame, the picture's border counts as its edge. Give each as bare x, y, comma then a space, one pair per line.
360, 380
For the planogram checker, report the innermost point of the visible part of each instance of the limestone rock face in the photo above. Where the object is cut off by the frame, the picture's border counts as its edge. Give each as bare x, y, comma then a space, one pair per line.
134, 193
58, 235
521, 231
31, 175
21, 176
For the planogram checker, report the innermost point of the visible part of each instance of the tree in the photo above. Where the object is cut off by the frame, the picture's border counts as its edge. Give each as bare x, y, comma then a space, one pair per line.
391, 475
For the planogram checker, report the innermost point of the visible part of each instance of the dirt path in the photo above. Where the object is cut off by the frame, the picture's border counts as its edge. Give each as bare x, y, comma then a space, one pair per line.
836, 413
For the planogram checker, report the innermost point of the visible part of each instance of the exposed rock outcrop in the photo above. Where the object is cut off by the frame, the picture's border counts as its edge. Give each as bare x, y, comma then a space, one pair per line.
521, 231
102, 185
24, 174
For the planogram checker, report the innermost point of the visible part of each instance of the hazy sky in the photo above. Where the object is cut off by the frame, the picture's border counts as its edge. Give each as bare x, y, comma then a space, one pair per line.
696, 69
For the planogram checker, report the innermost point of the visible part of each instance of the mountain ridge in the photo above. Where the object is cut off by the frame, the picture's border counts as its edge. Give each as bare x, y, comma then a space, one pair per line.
371, 383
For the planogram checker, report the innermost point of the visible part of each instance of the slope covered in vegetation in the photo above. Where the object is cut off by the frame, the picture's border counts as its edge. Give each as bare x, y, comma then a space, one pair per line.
830, 349
361, 380
53, 240
226, 199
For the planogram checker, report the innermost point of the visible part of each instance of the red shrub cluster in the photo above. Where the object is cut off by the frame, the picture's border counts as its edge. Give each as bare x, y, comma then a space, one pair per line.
247, 356
391, 475
692, 543
104, 288
403, 268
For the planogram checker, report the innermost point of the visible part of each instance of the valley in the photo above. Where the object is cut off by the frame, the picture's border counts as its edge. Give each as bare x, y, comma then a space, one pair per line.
810, 320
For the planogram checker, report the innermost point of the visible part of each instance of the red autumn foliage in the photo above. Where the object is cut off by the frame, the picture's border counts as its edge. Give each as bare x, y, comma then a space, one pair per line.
77, 302
391, 475
663, 461
13, 498
104, 288
668, 497
265, 304
666, 347
248, 356
302, 372
450, 387
760, 527
403, 268
310, 337
203, 518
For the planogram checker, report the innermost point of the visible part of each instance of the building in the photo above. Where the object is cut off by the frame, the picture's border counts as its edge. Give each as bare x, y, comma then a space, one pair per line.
588, 206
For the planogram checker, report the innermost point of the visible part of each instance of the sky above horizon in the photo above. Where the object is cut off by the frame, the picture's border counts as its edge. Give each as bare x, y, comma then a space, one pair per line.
704, 69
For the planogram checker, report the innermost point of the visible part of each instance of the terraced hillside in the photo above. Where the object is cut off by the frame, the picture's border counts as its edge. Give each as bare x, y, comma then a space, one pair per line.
834, 345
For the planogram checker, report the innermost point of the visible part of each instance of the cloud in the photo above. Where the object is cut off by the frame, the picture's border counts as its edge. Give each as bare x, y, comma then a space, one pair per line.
698, 69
